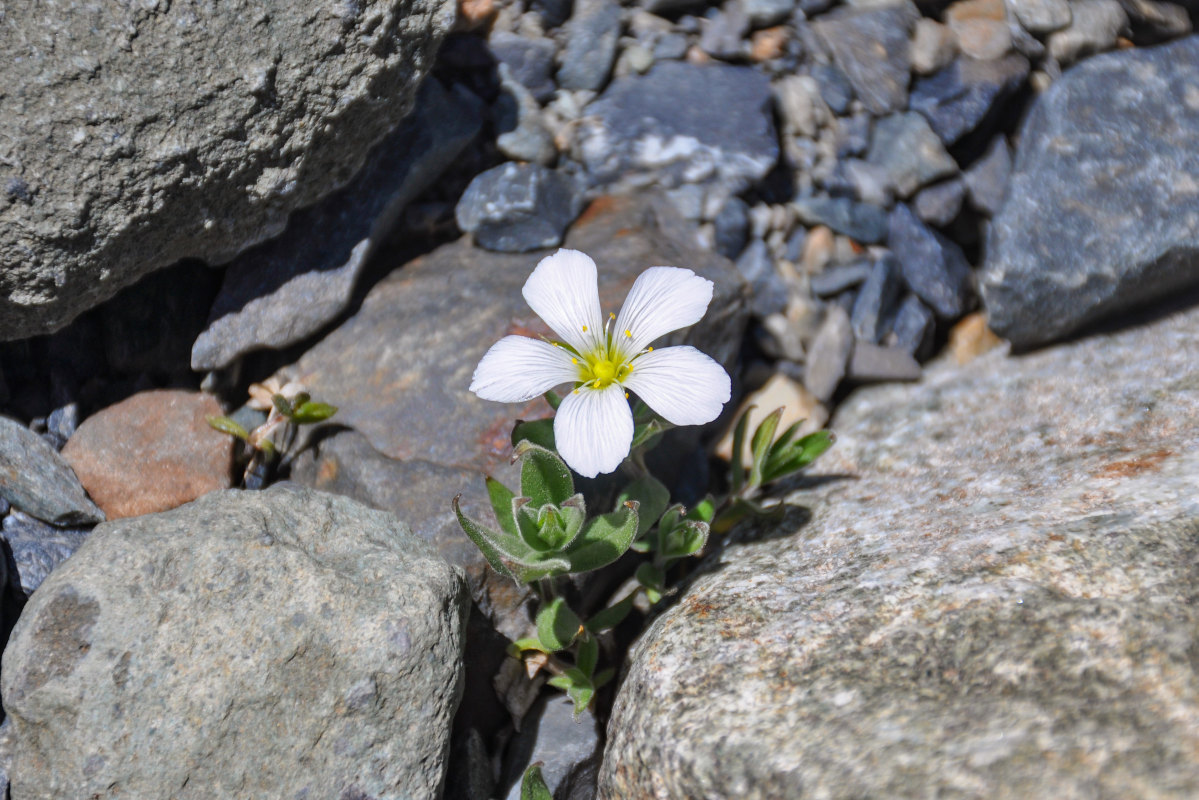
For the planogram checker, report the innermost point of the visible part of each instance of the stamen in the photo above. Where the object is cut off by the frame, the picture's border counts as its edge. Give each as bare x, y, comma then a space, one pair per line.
628, 333
626, 395
574, 361
611, 315
574, 391
584, 328
649, 349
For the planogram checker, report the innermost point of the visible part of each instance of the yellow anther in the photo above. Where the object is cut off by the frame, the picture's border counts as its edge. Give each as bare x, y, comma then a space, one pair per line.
628, 333
611, 315
649, 349
626, 395
574, 391
584, 327
574, 361
596, 384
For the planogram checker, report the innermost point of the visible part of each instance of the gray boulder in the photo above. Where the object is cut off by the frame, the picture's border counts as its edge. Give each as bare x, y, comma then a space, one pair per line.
37, 480
871, 46
991, 594
284, 290
1103, 203
134, 135
284, 643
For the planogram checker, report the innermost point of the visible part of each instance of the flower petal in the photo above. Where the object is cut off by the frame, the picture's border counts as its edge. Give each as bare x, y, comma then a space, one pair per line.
682, 384
518, 368
564, 291
663, 299
594, 429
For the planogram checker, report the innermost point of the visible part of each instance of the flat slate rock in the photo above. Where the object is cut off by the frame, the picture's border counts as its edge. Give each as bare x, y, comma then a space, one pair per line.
37, 480
287, 289
284, 643
37, 548
957, 100
1103, 203
139, 134
399, 369
871, 47
991, 595
681, 124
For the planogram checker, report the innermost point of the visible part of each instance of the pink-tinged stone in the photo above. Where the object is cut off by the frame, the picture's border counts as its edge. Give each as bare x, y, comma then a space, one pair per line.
151, 452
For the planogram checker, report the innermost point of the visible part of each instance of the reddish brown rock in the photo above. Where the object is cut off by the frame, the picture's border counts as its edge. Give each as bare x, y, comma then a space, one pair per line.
151, 452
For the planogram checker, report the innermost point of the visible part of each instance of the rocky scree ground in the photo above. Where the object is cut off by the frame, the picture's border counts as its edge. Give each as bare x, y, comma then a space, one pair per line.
868, 185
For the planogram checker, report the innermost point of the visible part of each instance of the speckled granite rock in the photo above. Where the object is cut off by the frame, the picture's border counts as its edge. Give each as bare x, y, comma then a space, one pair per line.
284, 643
994, 596
1103, 203
136, 134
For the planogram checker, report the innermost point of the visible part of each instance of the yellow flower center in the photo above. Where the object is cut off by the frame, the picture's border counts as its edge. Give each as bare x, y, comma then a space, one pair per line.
601, 370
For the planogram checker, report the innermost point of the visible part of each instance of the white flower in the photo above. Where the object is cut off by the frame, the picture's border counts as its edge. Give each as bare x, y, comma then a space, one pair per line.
594, 425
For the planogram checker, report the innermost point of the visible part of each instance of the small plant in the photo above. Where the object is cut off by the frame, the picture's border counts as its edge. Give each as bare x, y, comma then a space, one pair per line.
288, 406
545, 532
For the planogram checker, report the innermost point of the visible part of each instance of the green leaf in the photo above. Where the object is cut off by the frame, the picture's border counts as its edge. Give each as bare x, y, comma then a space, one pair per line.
528, 525
282, 405
557, 625
650, 577
521, 645
602, 677
501, 498
704, 510
588, 655
604, 539
309, 413
686, 539
760, 446
613, 615
577, 685
784, 439
229, 426
653, 497
737, 466
544, 477
553, 399
535, 570
532, 785
645, 434
798, 455
498, 547
539, 432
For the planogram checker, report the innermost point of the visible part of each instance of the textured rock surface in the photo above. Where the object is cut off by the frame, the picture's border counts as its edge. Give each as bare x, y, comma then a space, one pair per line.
441, 312
681, 124
871, 47
151, 452
139, 134
36, 479
960, 97
994, 597
515, 208
283, 643
37, 548
1103, 204
284, 290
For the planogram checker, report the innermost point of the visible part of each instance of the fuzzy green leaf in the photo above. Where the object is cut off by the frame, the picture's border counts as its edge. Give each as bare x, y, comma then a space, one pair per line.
498, 547
686, 539
704, 510
532, 785
544, 477
539, 432
282, 405
653, 497
604, 539
501, 498
613, 615
309, 413
737, 466
587, 656
760, 446
553, 398
577, 685
650, 577
528, 526
798, 455
229, 426
558, 625
521, 645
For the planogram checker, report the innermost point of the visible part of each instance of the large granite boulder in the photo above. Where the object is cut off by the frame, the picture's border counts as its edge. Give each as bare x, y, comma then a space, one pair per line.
134, 135
992, 594
1102, 210
284, 643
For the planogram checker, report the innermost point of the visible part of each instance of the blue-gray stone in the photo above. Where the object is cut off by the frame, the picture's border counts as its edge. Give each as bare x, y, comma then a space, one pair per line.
681, 123
876, 299
1102, 213
61, 424
986, 180
514, 208
933, 267
871, 363
724, 30
940, 203
731, 228
834, 280
565, 746
530, 60
769, 291
764, 13
870, 45
905, 146
553, 12
853, 135
35, 479
958, 98
913, 328
835, 88
590, 51
671, 46
516, 117
37, 547
865, 223
795, 244
285, 290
